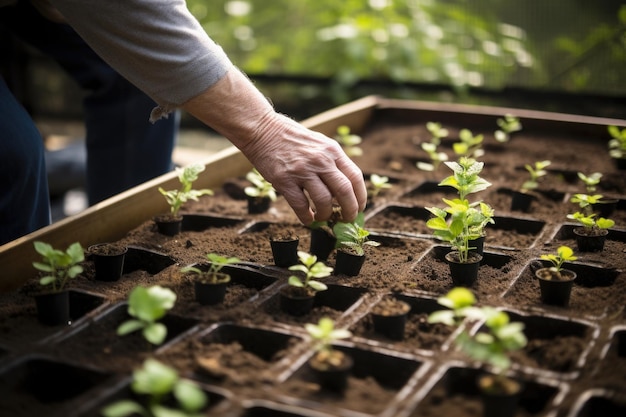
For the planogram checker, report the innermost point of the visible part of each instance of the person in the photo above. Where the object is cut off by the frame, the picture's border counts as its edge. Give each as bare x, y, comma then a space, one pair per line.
163, 50
122, 150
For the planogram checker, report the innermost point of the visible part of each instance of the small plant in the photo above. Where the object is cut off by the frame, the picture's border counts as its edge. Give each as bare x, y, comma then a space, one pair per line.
57, 266
147, 305
508, 125
586, 217
177, 198
617, 144
260, 187
590, 181
491, 346
466, 177
469, 145
437, 132
436, 158
348, 141
324, 335
353, 236
311, 269
213, 274
563, 254
158, 383
536, 172
378, 183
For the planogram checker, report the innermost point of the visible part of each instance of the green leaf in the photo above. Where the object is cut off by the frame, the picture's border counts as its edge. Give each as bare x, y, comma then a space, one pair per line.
155, 333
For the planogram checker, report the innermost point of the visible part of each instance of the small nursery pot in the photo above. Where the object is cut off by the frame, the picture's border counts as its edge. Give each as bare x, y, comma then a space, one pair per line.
389, 317
521, 201
553, 291
463, 274
478, 245
258, 205
285, 251
348, 263
210, 293
168, 225
53, 308
501, 401
296, 301
322, 244
332, 378
108, 260
590, 242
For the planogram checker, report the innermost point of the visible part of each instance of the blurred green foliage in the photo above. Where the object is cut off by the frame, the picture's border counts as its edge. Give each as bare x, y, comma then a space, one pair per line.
462, 43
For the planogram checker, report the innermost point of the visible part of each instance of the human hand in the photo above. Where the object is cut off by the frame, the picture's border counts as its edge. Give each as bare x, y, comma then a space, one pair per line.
309, 169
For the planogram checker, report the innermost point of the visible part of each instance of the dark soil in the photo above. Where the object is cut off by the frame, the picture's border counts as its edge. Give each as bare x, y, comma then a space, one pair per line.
251, 357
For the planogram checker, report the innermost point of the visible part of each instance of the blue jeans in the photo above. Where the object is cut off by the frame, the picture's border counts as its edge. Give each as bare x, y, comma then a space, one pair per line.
123, 148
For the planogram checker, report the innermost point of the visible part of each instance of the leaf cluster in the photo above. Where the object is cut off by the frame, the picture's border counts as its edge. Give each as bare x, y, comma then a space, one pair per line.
353, 235
563, 254
617, 144
491, 345
586, 216
177, 198
325, 334
260, 186
217, 262
147, 305
536, 171
158, 382
507, 125
436, 158
378, 184
349, 141
311, 268
469, 145
58, 266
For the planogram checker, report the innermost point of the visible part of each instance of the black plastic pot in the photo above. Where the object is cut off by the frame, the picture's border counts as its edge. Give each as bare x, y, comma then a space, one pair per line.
463, 274
53, 308
333, 378
322, 244
391, 325
521, 201
296, 301
258, 205
349, 264
285, 252
108, 266
590, 243
478, 244
167, 225
209, 293
556, 292
499, 404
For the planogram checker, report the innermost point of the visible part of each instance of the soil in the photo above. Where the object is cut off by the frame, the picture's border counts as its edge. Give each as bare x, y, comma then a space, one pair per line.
251, 357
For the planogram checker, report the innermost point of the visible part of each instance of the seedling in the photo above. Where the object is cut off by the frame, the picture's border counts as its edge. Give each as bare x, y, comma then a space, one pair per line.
586, 217
590, 181
465, 178
508, 125
469, 145
57, 266
563, 254
260, 187
437, 132
158, 383
536, 172
177, 198
311, 269
617, 145
353, 235
378, 183
213, 274
436, 158
147, 305
324, 335
492, 346
348, 141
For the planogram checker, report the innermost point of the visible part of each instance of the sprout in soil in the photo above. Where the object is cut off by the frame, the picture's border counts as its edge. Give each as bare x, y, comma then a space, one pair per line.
536, 172
311, 269
348, 141
324, 334
617, 144
468, 144
147, 306
58, 266
353, 236
591, 181
508, 125
177, 198
260, 187
585, 216
212, 275
159, 383
378, 183
563, 254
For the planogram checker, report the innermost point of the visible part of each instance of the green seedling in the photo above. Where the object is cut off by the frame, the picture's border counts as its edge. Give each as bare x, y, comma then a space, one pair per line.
260, 187
508, 125
157, 383
586, 216
311, 269
469, 145
147, 306
591, 181
378, 183
466, 177
177, 198
348, 141
617, 144
324, 334
536, 172
437, 132
214, 274
57, 266
563, 254
353, 235
436, 157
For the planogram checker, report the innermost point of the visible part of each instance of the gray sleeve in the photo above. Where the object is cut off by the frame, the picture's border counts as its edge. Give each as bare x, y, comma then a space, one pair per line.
158, 45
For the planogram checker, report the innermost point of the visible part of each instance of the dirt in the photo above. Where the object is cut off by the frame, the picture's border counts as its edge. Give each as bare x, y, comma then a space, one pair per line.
251, 357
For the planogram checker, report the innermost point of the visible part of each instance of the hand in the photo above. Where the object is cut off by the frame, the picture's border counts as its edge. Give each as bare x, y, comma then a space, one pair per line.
308, 169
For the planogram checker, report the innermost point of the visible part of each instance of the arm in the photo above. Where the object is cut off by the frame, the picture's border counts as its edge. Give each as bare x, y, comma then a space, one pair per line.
159, 46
